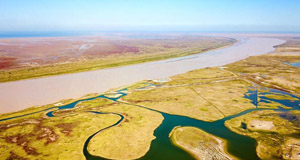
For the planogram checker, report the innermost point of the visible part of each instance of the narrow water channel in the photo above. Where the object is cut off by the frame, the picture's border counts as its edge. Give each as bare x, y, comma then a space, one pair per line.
240, 146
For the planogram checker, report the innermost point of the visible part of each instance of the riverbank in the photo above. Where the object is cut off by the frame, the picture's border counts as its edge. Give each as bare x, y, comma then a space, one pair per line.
22, 58
211, 83
51, 89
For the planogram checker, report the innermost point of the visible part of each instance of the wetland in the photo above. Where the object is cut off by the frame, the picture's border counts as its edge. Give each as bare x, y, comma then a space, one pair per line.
228, 112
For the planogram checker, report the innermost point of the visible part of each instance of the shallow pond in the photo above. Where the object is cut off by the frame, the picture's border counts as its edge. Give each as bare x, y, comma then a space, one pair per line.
296, 64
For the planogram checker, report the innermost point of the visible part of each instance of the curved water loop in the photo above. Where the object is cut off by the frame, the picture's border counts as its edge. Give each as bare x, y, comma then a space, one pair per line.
161, 148
86, 143
240, 146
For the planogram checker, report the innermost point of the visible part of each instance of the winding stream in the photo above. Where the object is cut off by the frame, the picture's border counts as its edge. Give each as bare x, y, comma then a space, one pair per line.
240, 146
85, 147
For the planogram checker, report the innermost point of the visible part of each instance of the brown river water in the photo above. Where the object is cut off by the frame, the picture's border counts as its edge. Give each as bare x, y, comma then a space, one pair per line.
22, 94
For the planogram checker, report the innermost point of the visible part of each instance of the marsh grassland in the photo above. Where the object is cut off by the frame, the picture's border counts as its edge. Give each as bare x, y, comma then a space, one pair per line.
276, 134
197, 94
258, 97
62, 137
130, 139
274, 70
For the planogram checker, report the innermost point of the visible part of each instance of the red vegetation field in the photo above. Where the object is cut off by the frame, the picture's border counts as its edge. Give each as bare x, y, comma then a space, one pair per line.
39, 51
32, 52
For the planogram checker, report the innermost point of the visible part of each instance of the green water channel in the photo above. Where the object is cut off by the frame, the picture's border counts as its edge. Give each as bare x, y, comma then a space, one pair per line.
240, 146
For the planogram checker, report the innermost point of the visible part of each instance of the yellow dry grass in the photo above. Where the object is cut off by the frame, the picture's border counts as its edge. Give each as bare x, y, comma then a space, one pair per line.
200, 144
130, 139
209, 101
65, 147
268, 128
271, 70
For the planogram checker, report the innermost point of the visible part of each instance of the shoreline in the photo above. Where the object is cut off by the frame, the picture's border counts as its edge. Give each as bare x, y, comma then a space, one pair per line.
222, 143
56, 68
37, 92
128, 63
218, 151
137, 157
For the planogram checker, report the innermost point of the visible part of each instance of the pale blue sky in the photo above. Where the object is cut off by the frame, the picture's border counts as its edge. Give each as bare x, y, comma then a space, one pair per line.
47, 15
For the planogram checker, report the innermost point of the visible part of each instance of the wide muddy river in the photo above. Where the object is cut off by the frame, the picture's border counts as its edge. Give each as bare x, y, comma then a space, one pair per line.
18, 95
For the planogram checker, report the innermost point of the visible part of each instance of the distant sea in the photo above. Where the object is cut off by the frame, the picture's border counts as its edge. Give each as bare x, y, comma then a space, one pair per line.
134, 34
41, 34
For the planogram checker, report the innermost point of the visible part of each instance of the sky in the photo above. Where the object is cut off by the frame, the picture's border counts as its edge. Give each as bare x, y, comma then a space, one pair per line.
185, 15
